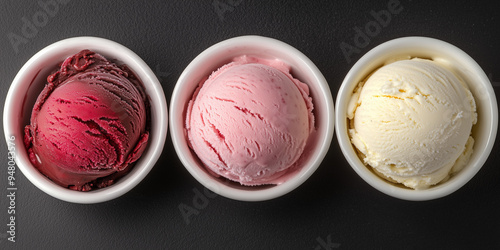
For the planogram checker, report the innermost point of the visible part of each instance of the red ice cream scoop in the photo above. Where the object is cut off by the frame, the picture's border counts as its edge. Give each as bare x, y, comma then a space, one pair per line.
88, 124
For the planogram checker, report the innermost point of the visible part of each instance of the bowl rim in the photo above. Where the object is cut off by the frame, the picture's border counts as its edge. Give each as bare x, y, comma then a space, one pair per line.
177, 118
153, 89
400, 45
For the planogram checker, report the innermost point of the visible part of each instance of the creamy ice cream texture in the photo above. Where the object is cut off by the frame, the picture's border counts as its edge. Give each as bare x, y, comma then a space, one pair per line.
411, 122
88, 124
250, 121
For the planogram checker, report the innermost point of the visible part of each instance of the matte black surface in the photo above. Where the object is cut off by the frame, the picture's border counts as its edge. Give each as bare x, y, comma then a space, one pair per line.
334, 209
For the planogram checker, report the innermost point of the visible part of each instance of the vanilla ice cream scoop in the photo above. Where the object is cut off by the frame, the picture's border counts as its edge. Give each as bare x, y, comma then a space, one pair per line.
411, 122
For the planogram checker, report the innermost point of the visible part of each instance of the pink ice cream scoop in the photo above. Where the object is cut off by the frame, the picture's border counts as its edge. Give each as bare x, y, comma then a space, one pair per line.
88, 124
250, 121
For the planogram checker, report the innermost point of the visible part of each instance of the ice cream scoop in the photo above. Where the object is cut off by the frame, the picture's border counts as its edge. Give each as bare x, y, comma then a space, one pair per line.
250, 121
411, 121
89, 123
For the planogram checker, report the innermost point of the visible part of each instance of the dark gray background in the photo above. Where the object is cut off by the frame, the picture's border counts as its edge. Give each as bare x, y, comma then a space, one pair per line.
334, 205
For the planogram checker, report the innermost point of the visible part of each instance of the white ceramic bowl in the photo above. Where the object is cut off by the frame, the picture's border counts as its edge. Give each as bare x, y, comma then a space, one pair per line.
484, 132
31, 79
216, 56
